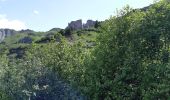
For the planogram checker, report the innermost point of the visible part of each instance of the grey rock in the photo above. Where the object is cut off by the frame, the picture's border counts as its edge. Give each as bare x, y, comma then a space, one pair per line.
89, 24
2, 36
8, 32
5, 33
75, 25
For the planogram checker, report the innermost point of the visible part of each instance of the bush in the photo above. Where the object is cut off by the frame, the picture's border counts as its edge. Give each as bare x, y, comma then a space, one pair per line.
131, 60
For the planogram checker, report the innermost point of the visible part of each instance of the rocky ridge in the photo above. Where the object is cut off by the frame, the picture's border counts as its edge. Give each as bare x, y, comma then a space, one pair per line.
78, 24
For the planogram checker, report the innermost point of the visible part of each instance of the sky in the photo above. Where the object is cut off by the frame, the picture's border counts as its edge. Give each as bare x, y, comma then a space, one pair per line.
43, 15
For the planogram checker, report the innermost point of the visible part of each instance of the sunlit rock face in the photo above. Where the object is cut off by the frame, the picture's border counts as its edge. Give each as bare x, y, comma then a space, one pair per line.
89, 24
2, 36
5, 33
75, 25
78, 24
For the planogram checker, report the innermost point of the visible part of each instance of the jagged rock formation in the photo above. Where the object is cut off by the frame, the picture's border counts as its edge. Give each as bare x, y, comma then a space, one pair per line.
2, 36
5, 33
89, 24
75, 25
8, 32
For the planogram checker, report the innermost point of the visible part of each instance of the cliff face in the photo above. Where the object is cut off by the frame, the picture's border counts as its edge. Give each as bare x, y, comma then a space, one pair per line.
89, 23
5, 33
75, 25
8, 32
2, 36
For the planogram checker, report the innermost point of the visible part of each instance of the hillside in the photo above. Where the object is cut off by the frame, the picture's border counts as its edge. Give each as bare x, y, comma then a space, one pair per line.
16, 41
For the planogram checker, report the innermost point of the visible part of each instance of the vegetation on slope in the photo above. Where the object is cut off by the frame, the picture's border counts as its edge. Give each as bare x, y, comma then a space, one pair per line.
129, 61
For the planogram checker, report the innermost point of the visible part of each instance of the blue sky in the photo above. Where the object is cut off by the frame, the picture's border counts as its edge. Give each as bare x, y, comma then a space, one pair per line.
42, 15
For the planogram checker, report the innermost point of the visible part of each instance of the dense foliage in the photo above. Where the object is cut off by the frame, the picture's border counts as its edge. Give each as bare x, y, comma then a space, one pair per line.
132, 58
129, 60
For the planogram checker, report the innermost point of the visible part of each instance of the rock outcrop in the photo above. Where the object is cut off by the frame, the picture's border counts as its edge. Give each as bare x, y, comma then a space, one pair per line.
5, 33
8, 32
2, 36
89, 24
76, 25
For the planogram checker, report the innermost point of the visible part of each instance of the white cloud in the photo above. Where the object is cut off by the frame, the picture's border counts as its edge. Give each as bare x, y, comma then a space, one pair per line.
11, 24
2, 16
36, 12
